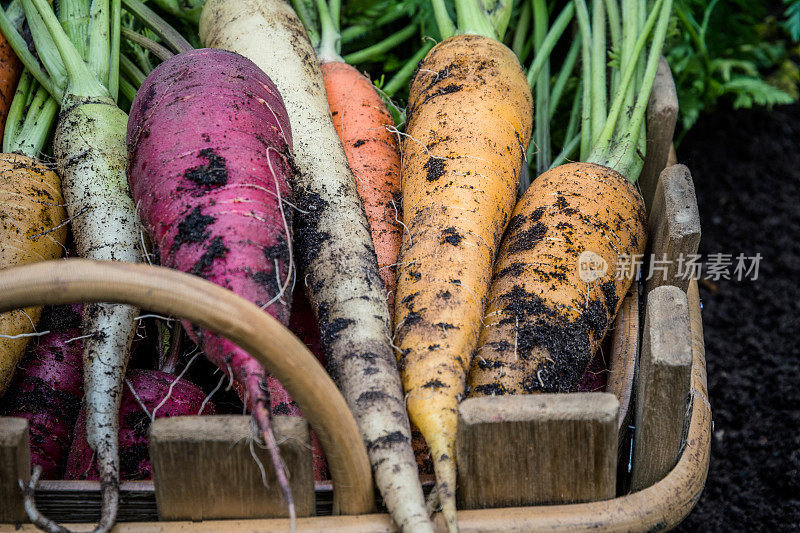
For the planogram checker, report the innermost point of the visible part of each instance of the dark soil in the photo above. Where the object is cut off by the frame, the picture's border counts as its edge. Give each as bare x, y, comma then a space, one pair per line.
746, 167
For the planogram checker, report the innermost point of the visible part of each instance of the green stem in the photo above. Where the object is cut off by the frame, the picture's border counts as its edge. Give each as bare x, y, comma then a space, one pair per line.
630, 33
443, 21
151, 46
20, 48
567, 151
622, 153
75, 19
500, 16
582, 14
186, 11
521, 31
542, 103
563, 76
82, 81
165, 32
377, 51
33, 136
599, 104
45, 46
402, 77
355, 31
16, 112
99, 54
615, 30
127, 90
473, 18
550, 40
113, 69
574, 115
328, 49
335, 8
131, 72
307, 13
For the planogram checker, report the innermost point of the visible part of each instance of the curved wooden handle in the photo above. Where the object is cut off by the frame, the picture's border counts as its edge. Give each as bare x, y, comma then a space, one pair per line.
219, 310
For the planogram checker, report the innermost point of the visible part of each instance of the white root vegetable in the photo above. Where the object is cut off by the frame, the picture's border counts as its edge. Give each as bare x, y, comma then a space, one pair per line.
333, 244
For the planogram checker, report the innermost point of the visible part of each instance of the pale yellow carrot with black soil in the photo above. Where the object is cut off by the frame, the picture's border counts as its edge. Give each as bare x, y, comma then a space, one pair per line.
556, 287
469, 123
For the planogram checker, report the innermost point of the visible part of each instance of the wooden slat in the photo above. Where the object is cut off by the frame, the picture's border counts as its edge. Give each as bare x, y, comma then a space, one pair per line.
662, 386
541, 448
662, 115
15, 464
204, 468
625, 352
674, 226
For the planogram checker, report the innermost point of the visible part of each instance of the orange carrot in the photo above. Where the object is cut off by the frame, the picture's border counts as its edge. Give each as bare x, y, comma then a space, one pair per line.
363, 124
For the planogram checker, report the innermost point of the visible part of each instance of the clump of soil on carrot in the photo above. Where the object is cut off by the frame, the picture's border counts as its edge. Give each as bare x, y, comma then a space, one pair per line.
746, 169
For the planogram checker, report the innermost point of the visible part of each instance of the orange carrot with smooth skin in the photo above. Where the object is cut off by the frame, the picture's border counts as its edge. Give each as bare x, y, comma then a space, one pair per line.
470, 115
364, 126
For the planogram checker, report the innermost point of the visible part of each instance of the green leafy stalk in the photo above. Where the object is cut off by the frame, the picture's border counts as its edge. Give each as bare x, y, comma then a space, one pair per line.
542, 102
113, 68
45, 46
443, 21
402, 76
82, 81
307, 13
16, 111
355, 31
99, 54
500, 15
598, 68
615, 31
186, 10
147, 44
472, 18
582, 15
20, 47
377, 50
39, 120
521, 32
165, 32
329, 44
553, 35
563, 76
131, 72
620, 152
75, 19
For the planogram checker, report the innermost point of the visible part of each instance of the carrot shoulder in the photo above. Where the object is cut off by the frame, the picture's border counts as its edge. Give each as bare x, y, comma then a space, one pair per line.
10, 70
363, 124
556, 288
469, 124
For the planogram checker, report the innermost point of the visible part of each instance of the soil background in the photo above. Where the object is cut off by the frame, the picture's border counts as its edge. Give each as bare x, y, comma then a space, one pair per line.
746, 168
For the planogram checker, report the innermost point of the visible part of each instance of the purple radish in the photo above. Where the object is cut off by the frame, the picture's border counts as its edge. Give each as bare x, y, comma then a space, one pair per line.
153, 390
210, 166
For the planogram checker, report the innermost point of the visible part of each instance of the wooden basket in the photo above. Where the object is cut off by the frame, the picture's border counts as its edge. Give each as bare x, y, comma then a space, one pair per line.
570, 452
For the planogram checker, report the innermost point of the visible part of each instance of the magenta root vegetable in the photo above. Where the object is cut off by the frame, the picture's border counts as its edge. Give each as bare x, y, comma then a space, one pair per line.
48, 387
153, 390
210, 166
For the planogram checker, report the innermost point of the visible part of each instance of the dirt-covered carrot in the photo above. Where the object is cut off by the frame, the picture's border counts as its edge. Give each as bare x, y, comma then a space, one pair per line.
32, 221
556, 289
149, 394
210, 171
469, 123
365, 127
48, 387
333, 244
